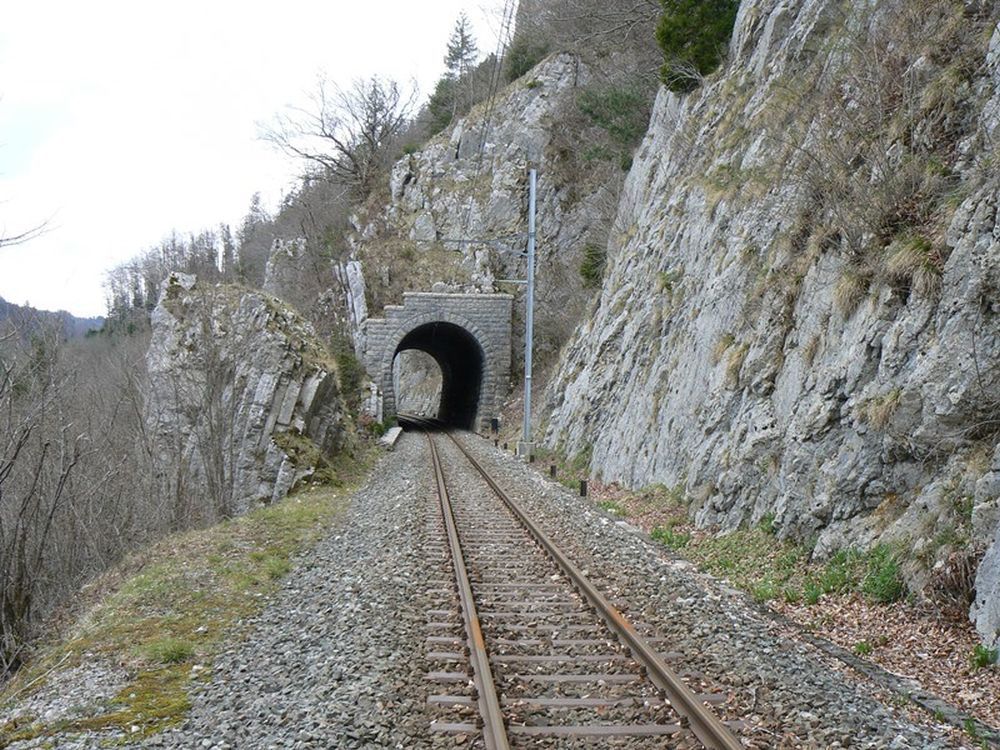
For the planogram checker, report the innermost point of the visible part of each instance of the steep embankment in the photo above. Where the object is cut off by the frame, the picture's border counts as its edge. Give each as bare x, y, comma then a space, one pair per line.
800, 315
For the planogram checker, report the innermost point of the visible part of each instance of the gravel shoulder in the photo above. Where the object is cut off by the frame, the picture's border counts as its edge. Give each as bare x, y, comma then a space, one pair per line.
335, 660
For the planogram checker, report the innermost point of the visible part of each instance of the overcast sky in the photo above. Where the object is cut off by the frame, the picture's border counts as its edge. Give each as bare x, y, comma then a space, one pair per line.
123, 120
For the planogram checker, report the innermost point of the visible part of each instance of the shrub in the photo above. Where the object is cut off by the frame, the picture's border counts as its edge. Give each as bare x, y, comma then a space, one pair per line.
883, 581
350, 371
622, 112
693, 35
863, 648
522, 56
983, 657
952, 585
592, 267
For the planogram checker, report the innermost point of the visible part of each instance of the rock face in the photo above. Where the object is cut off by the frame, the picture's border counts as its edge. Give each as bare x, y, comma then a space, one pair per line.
777, 332
244, 400
457, 209
283, 271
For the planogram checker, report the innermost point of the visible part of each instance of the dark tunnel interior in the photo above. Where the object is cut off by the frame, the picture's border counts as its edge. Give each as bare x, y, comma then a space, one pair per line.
460, 358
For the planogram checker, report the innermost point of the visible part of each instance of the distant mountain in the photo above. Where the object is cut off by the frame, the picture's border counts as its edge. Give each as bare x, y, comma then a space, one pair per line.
27, 317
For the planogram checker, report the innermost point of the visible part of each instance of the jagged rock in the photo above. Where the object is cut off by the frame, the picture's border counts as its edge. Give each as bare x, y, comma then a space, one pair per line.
351, 278
470, 183
244, 399
723, 358
283, 272
986, 608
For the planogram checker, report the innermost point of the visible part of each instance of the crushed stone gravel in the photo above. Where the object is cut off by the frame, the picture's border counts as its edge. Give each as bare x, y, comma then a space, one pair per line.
337, 659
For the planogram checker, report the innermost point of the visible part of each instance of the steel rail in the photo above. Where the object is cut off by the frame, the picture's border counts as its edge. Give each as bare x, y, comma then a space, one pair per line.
707, 727
494, 730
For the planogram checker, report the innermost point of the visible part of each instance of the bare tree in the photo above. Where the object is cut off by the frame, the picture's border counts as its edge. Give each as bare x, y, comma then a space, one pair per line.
614, 36
6, 240
75, 492
351, 134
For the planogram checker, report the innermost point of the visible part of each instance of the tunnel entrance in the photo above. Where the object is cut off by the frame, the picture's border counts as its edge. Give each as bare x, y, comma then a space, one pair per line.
461, 361
468, 335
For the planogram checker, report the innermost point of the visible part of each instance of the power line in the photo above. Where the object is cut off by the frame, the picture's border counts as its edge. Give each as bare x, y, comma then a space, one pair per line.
503, 40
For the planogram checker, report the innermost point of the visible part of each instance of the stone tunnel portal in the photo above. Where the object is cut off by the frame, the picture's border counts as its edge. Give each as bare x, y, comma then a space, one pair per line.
467, 334
461, 360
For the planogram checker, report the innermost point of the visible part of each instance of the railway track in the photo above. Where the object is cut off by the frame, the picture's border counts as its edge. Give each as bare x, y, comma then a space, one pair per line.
524, 650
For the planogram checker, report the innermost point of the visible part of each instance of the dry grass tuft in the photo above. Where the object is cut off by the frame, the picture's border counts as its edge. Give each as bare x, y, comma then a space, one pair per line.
725, 341
850, 290
878, 411
914, 260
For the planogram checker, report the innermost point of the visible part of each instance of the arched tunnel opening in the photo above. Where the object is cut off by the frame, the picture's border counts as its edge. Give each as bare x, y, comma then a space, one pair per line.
461, 361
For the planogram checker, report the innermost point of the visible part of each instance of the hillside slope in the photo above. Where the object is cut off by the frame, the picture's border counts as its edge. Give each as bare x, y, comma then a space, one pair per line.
24, 316
799, 315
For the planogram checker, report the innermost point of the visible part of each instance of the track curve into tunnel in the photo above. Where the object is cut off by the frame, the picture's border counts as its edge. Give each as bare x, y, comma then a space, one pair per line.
462, 362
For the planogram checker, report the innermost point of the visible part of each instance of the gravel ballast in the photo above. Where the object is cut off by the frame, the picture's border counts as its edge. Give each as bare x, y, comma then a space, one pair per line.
337, 659
792, 695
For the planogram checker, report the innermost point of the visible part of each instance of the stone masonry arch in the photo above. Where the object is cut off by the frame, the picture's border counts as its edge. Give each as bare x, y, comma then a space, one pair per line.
455, 329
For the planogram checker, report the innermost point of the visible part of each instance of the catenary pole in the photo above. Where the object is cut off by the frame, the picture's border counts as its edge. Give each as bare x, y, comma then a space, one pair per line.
529, 317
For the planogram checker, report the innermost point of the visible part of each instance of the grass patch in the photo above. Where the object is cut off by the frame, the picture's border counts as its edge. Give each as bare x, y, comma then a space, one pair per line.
592, 265
611, 507
755, 561
669, 536
883, 581
171, 607
169, 651
983, 657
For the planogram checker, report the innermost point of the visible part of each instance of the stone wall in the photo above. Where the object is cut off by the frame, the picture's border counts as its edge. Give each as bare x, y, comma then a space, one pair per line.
487, 317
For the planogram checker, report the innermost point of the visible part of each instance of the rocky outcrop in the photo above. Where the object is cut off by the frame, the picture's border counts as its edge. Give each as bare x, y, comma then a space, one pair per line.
285, 266
794, 326
244, 399
986, 517
456, 213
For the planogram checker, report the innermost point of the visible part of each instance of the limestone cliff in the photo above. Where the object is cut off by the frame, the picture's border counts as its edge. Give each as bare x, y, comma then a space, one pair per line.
244, 400
456, 211
801, 311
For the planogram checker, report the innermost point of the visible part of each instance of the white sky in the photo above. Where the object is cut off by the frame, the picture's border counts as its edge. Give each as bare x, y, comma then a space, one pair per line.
122, 120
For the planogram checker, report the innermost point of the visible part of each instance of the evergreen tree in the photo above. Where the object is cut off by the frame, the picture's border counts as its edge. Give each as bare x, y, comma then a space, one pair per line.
693, 35
462, 49
459, 62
